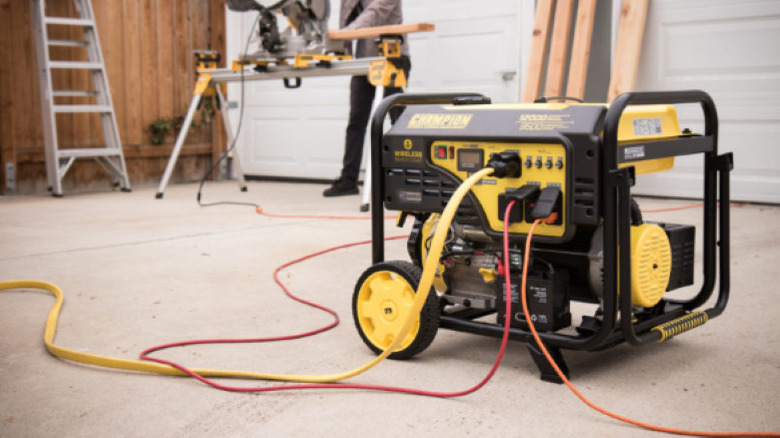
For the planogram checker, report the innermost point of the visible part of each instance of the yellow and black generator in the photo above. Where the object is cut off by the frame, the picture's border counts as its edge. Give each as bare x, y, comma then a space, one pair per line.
573, 165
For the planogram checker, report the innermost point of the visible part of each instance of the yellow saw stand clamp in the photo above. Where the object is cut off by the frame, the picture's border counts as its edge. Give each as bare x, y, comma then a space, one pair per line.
388, 72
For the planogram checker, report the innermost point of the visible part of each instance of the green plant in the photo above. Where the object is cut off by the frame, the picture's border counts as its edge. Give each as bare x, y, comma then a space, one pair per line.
160, 129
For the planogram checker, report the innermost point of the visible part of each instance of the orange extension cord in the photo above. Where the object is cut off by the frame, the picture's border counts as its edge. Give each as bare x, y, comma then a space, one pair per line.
590, 403
685, 207
501, 350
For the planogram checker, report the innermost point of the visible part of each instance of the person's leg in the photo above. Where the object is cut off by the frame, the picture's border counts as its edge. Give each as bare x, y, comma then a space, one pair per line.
361, 97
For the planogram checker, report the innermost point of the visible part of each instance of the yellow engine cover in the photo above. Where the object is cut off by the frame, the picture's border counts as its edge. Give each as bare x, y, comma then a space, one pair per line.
647, 123
651, 264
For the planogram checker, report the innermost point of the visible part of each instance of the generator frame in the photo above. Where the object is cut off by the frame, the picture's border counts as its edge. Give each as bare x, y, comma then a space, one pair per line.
618, 325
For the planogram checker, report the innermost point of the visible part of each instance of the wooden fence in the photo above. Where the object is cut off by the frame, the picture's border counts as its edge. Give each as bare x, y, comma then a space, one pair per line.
147, 46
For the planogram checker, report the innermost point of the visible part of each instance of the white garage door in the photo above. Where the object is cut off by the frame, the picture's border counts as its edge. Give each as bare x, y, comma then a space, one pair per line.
730, 49
300, 133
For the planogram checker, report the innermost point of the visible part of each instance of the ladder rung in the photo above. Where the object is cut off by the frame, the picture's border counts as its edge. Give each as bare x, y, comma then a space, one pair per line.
74, 93
82, 108
89, 99
68, 43
88, 152
69, 21
76, 65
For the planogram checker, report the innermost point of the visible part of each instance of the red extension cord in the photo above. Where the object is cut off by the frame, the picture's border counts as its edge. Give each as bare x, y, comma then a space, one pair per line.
145, 354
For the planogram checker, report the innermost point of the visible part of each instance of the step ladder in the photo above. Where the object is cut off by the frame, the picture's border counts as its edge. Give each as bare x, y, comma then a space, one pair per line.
59, 161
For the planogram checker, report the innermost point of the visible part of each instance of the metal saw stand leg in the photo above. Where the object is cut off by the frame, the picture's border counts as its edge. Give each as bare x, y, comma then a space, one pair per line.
367, 157
364, 203
231, 152
203, 84
185, 127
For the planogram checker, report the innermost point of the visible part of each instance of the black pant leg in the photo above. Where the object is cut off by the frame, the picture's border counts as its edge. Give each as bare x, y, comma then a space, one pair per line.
361, 97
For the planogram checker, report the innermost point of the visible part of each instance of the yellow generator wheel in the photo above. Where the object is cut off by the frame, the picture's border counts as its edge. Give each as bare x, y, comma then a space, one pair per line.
651, 264
381, 303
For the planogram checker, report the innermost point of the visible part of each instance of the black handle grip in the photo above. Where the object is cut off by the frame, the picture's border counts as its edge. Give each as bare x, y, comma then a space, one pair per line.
295, 84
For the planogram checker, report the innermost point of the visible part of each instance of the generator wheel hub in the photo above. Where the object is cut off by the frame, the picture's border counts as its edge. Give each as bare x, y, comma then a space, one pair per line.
383, 296
389, 312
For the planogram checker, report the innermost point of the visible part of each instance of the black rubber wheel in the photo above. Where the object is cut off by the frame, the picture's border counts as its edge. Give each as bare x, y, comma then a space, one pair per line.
382, 298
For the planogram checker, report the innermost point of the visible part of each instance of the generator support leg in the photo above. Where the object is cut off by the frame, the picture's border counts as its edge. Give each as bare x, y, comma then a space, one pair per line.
548, 373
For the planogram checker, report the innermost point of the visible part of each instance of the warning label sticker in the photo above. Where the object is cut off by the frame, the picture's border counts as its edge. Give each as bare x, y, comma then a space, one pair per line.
647, 127
634, 152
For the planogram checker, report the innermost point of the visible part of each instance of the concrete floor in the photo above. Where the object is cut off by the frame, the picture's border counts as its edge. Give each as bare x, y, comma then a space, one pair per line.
138, 272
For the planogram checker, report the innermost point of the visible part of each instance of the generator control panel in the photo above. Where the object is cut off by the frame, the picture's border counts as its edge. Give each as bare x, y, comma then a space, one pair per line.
432, 149
544, 165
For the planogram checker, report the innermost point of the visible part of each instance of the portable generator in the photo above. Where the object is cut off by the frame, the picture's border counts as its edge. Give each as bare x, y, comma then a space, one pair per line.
572, 164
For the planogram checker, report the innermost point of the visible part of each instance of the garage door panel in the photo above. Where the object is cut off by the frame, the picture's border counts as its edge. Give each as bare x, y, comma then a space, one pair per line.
752, 179
324, 155
690, 51
286, 139
720, 51
730, 50
465, 51
474, 44
282, 147
312, 92
467, 12
310, 85
748, 141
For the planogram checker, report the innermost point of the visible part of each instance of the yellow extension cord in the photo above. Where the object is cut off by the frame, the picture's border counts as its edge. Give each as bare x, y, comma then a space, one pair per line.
426, 282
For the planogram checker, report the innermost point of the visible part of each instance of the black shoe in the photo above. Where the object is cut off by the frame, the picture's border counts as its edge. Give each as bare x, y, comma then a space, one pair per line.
341, 187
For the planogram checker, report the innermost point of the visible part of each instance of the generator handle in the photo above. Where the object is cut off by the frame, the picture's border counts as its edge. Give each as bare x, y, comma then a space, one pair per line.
618, 106
377, 180
615, 197
725, 164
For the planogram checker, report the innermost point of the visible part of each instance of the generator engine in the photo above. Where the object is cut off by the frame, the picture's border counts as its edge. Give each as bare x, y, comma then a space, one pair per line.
569, 164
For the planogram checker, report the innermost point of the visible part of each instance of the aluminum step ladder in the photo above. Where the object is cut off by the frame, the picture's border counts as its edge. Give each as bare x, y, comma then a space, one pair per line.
59, 161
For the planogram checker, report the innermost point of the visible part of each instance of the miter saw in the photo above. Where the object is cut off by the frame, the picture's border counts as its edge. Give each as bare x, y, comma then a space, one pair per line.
304, 49
307, 33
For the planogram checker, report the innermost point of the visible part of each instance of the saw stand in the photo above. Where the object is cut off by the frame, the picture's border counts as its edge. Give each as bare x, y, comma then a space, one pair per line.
212, 81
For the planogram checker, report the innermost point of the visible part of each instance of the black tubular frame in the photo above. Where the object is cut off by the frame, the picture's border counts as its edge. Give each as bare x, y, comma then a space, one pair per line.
377, 176
616, 193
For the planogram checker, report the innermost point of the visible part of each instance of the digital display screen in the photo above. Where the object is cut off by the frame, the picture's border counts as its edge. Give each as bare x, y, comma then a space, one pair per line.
470, 159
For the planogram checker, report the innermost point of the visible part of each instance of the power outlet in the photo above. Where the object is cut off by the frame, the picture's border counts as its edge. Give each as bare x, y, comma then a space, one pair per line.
10, 177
